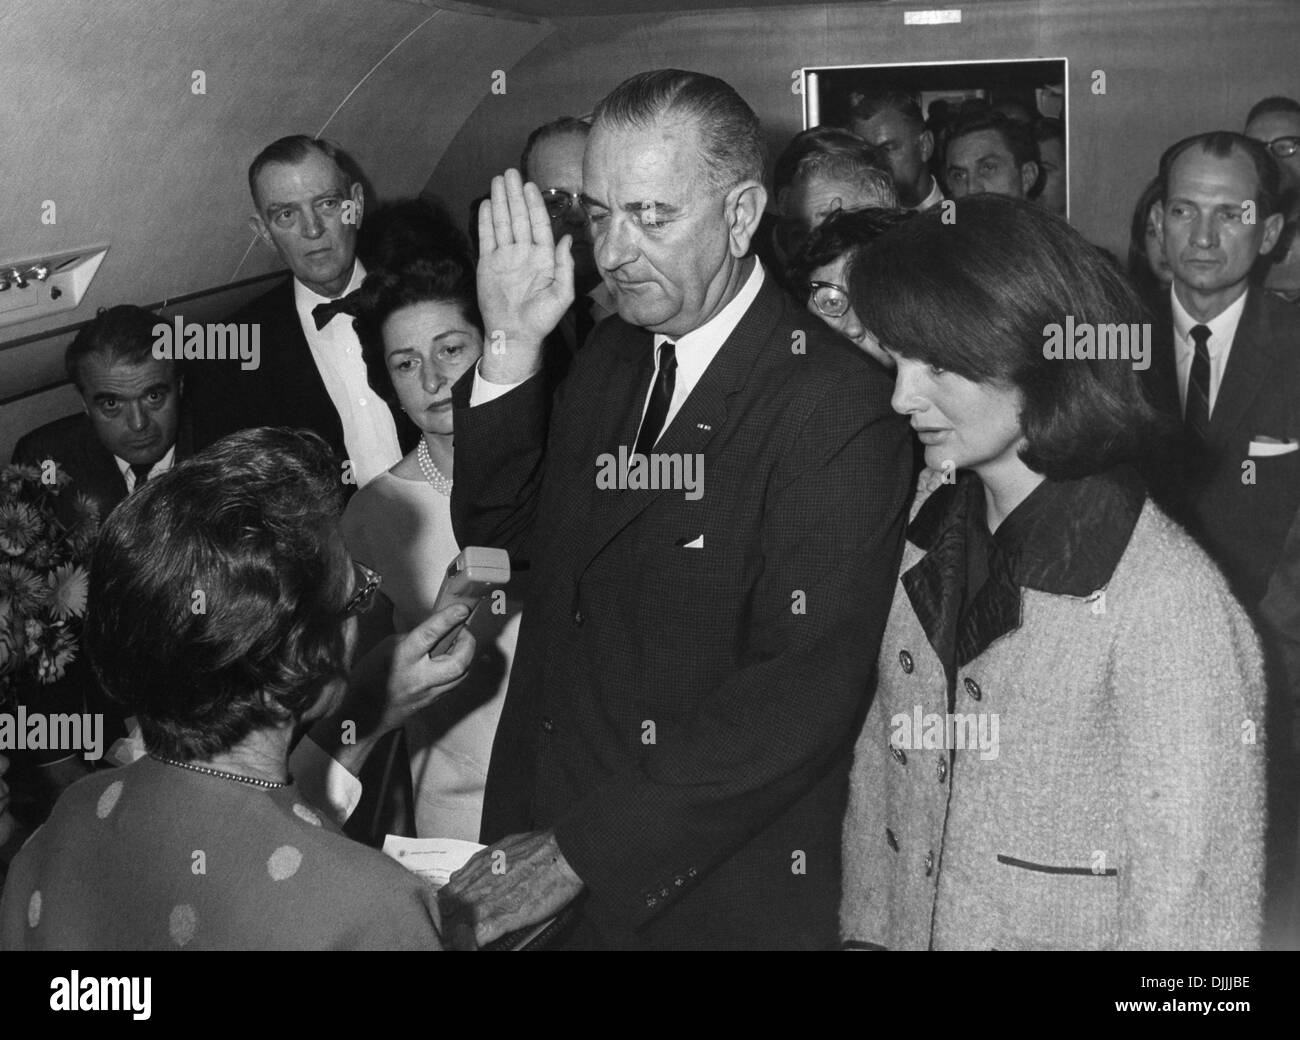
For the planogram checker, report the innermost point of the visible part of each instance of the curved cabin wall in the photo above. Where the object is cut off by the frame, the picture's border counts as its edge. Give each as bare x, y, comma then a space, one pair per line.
102, 118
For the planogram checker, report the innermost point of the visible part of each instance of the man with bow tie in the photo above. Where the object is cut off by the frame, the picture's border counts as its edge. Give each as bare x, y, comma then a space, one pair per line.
308, 206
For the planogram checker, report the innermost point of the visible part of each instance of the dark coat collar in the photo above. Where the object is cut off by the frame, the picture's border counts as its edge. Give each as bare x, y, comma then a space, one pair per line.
1065, 538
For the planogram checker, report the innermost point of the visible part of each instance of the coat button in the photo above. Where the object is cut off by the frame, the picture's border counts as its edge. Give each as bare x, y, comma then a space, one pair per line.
890, 840
651, 902
973, 688
929, 863
679, 881
663, 893
943, 770
905, 659
578, 619
548, 725
898, 754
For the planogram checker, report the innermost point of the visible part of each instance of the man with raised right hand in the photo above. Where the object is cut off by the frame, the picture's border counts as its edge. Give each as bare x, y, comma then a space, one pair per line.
694, 668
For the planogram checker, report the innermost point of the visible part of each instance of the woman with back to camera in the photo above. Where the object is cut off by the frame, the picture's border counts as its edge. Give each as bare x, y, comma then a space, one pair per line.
223, 616
420, 331
1065, 749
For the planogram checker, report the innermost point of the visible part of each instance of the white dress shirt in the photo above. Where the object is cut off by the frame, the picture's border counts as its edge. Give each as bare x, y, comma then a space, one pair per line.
933, 199
1223, 329
693, 351
156, 470
369, 433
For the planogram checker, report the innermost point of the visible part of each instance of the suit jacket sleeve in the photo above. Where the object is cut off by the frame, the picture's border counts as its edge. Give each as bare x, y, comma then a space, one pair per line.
495, 496
1279, 613
831, 542
1191, 707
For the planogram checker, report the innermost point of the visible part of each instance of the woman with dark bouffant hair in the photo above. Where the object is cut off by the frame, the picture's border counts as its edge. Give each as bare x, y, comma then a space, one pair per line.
1064, 750
222, 615
420, 331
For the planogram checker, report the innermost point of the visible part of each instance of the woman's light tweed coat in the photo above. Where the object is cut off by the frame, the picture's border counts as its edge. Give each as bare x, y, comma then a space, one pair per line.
1130, 752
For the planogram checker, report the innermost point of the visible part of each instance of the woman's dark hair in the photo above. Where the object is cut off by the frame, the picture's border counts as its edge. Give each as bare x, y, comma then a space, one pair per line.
1139, 267
441, 279
217, 592
977, 296
844, 231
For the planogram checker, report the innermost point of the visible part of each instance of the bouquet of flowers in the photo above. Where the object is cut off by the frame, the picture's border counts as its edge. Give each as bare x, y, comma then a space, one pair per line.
44, 551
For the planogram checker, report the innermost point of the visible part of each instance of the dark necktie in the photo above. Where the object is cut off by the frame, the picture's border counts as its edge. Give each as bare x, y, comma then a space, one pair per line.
324, 313
141, 475
1196, 416
661, 396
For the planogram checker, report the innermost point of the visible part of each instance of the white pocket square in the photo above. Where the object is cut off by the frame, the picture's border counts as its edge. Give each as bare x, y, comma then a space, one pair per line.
1263, 449
695, 543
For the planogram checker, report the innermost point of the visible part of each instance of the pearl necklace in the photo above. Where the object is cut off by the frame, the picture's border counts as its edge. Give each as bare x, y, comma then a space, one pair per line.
432, 474
252, 780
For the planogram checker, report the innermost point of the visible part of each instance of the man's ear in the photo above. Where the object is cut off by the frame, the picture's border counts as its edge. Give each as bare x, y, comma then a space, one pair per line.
1028, 177
744, 207
1272, 229
358, 195
258, 226
1156, 215
926, 141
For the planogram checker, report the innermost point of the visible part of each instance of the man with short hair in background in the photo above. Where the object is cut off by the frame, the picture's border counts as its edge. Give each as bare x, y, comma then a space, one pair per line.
824, 183
1226, 363
892, 121
1275, 123
989, 152
308, 205
130, 427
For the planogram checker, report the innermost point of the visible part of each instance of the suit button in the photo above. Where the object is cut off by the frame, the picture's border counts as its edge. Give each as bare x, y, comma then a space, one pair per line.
973, 688
578, 618
679, 881
548, 725
890, 840
651, 901
943, 770
905, 659
663, 893
929, 863
898, 754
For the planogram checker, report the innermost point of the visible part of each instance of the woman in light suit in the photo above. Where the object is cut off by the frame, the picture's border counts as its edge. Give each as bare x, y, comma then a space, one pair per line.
1065, 749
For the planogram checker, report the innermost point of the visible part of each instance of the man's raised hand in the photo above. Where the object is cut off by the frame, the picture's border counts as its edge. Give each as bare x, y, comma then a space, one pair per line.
525, 279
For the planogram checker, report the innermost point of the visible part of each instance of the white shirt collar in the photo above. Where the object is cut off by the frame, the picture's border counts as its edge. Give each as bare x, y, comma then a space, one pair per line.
933, 199
710, 336
307, 299
157, 469
1223, 327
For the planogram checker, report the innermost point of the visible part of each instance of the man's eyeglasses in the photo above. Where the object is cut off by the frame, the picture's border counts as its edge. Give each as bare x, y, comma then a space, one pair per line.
559, 202
363, 593
1284, 147
828, 299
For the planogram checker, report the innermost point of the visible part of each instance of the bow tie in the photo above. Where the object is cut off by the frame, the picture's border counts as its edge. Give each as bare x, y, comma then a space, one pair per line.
324, 313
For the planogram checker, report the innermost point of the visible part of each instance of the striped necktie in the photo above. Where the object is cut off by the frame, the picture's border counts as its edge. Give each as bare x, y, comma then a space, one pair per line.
1196, 416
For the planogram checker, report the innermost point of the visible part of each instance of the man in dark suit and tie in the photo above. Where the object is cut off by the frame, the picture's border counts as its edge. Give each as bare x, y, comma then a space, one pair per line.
693, 671
1226, 362
130, 428
308, 207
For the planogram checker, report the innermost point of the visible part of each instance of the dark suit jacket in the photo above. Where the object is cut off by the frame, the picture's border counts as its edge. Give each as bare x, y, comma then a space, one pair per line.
1243, 524
684, 717
285, 390
71, 442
